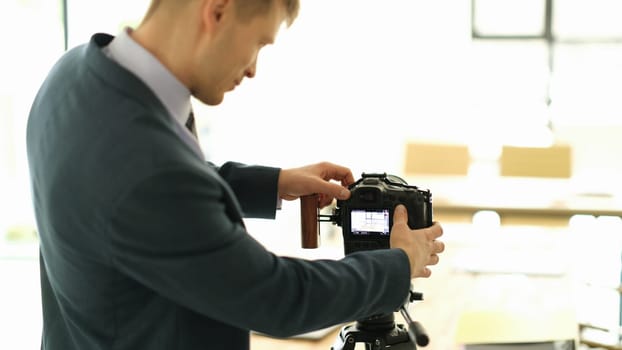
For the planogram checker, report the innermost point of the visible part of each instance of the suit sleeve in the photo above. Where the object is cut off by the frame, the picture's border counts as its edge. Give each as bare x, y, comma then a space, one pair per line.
174, 234
255, 187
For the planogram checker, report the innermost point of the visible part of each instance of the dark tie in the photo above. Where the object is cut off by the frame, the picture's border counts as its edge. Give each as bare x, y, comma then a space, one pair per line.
191, 125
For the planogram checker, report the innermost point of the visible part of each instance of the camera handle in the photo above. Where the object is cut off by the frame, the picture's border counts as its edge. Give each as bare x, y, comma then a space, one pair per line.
309, 228
379, 332
309, 218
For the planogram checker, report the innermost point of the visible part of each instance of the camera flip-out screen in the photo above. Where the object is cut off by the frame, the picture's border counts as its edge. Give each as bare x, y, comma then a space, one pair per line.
370, 222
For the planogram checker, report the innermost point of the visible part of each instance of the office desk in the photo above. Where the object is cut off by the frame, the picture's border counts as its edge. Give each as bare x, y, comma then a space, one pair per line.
518, 306
557, 209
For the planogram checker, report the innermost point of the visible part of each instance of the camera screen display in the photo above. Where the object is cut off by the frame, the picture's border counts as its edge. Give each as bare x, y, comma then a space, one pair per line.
370, 222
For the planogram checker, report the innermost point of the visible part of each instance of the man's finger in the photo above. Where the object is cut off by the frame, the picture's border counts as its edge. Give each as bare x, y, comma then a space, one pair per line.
400, 215
439, 246
339, 173
435, 231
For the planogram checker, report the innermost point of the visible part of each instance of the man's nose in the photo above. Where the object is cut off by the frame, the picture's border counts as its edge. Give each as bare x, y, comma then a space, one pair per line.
252, 70
250, 73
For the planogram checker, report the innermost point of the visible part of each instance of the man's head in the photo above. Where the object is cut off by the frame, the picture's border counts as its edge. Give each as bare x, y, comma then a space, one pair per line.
246, 8
211, 45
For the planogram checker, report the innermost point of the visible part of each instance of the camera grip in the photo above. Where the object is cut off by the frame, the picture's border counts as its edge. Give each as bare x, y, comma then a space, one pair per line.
309, 211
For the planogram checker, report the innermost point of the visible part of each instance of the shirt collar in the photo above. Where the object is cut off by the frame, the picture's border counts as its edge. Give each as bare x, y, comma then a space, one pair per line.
132, 56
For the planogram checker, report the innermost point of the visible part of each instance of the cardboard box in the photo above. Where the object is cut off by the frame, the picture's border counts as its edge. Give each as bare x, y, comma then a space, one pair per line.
551, 162
436, 159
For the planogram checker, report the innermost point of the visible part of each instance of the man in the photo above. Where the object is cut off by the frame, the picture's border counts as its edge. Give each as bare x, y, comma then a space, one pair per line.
143, 245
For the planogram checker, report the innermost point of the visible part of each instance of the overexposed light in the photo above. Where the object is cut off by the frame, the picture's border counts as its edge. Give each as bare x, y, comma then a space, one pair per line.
87, 17
487, 219
530, 136
484, 159
485, 150
482, 171
609, 222
509, 17
587, 19
578, 222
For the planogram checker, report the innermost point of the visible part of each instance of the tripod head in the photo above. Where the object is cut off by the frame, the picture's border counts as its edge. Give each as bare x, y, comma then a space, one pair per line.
381, 332
378, 331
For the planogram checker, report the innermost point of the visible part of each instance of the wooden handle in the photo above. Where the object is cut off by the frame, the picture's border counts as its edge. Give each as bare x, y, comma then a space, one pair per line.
308, 221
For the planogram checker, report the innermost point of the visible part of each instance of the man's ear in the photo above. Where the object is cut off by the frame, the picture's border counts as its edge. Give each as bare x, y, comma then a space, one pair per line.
214, 11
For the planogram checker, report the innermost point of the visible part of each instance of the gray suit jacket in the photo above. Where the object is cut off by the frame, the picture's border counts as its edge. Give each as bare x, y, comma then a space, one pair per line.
142, 243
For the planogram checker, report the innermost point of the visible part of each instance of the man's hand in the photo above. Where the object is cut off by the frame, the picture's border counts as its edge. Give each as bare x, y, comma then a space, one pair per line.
420, 245
316, 179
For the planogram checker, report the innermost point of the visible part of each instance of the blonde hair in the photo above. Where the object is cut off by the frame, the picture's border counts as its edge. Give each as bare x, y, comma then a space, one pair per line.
246, 9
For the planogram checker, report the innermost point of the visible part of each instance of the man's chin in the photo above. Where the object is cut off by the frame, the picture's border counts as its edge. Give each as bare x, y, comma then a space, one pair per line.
211, 100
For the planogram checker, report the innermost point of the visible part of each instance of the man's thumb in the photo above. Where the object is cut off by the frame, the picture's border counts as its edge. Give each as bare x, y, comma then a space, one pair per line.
400, 215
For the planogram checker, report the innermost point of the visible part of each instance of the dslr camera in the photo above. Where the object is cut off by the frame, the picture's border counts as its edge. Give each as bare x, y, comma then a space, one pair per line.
366, 217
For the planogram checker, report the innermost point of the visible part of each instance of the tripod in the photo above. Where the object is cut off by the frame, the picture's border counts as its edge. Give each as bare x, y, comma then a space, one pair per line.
380, 332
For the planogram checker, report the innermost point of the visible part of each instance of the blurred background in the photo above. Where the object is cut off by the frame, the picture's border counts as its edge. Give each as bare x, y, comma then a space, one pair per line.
509, 111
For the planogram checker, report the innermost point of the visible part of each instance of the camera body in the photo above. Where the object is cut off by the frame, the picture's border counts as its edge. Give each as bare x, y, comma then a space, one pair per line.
366, 217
